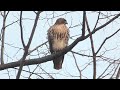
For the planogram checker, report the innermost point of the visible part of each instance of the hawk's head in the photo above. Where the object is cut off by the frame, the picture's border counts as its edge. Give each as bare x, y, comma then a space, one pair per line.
61, 21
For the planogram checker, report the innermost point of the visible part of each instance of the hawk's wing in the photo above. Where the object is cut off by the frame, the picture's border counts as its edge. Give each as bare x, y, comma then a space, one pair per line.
50, 39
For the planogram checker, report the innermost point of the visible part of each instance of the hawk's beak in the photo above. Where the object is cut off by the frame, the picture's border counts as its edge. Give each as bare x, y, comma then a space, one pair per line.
66, 22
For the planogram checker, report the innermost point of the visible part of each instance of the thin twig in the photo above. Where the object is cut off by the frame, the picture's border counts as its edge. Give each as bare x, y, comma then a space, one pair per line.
77, 66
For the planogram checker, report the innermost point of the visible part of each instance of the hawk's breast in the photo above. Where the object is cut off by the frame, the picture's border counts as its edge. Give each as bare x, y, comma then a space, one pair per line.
59, 44
60, 36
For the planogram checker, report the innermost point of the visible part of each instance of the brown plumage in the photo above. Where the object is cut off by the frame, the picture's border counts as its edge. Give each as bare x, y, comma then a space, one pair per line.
58, 36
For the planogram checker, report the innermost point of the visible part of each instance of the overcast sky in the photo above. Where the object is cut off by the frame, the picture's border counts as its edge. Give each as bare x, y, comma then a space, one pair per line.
69, 70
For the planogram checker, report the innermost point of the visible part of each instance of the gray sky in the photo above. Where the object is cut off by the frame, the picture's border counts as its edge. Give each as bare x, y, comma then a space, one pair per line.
69, 70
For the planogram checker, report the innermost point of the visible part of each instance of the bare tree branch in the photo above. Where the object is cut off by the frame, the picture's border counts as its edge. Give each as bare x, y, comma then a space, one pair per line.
37, 47
97, 20
30, 73
3, 36
93, 50
28, 45
33, 30
21, 30
83, 27
114, 71
82, 54
104, 70
118, 74
102, 26
106, 40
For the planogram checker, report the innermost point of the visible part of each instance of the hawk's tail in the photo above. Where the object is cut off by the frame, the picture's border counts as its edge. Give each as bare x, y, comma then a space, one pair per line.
58, 62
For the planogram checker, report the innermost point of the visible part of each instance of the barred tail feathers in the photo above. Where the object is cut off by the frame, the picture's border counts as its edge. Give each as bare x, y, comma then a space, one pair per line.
58, 62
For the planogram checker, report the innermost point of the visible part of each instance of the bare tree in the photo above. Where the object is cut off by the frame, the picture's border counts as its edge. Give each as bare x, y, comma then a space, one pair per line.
31, 60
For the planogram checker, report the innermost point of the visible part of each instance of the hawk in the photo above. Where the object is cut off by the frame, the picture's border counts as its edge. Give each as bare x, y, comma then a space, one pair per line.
58, 36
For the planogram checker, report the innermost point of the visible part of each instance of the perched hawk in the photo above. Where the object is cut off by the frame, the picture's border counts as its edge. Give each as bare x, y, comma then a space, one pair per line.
58, 36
